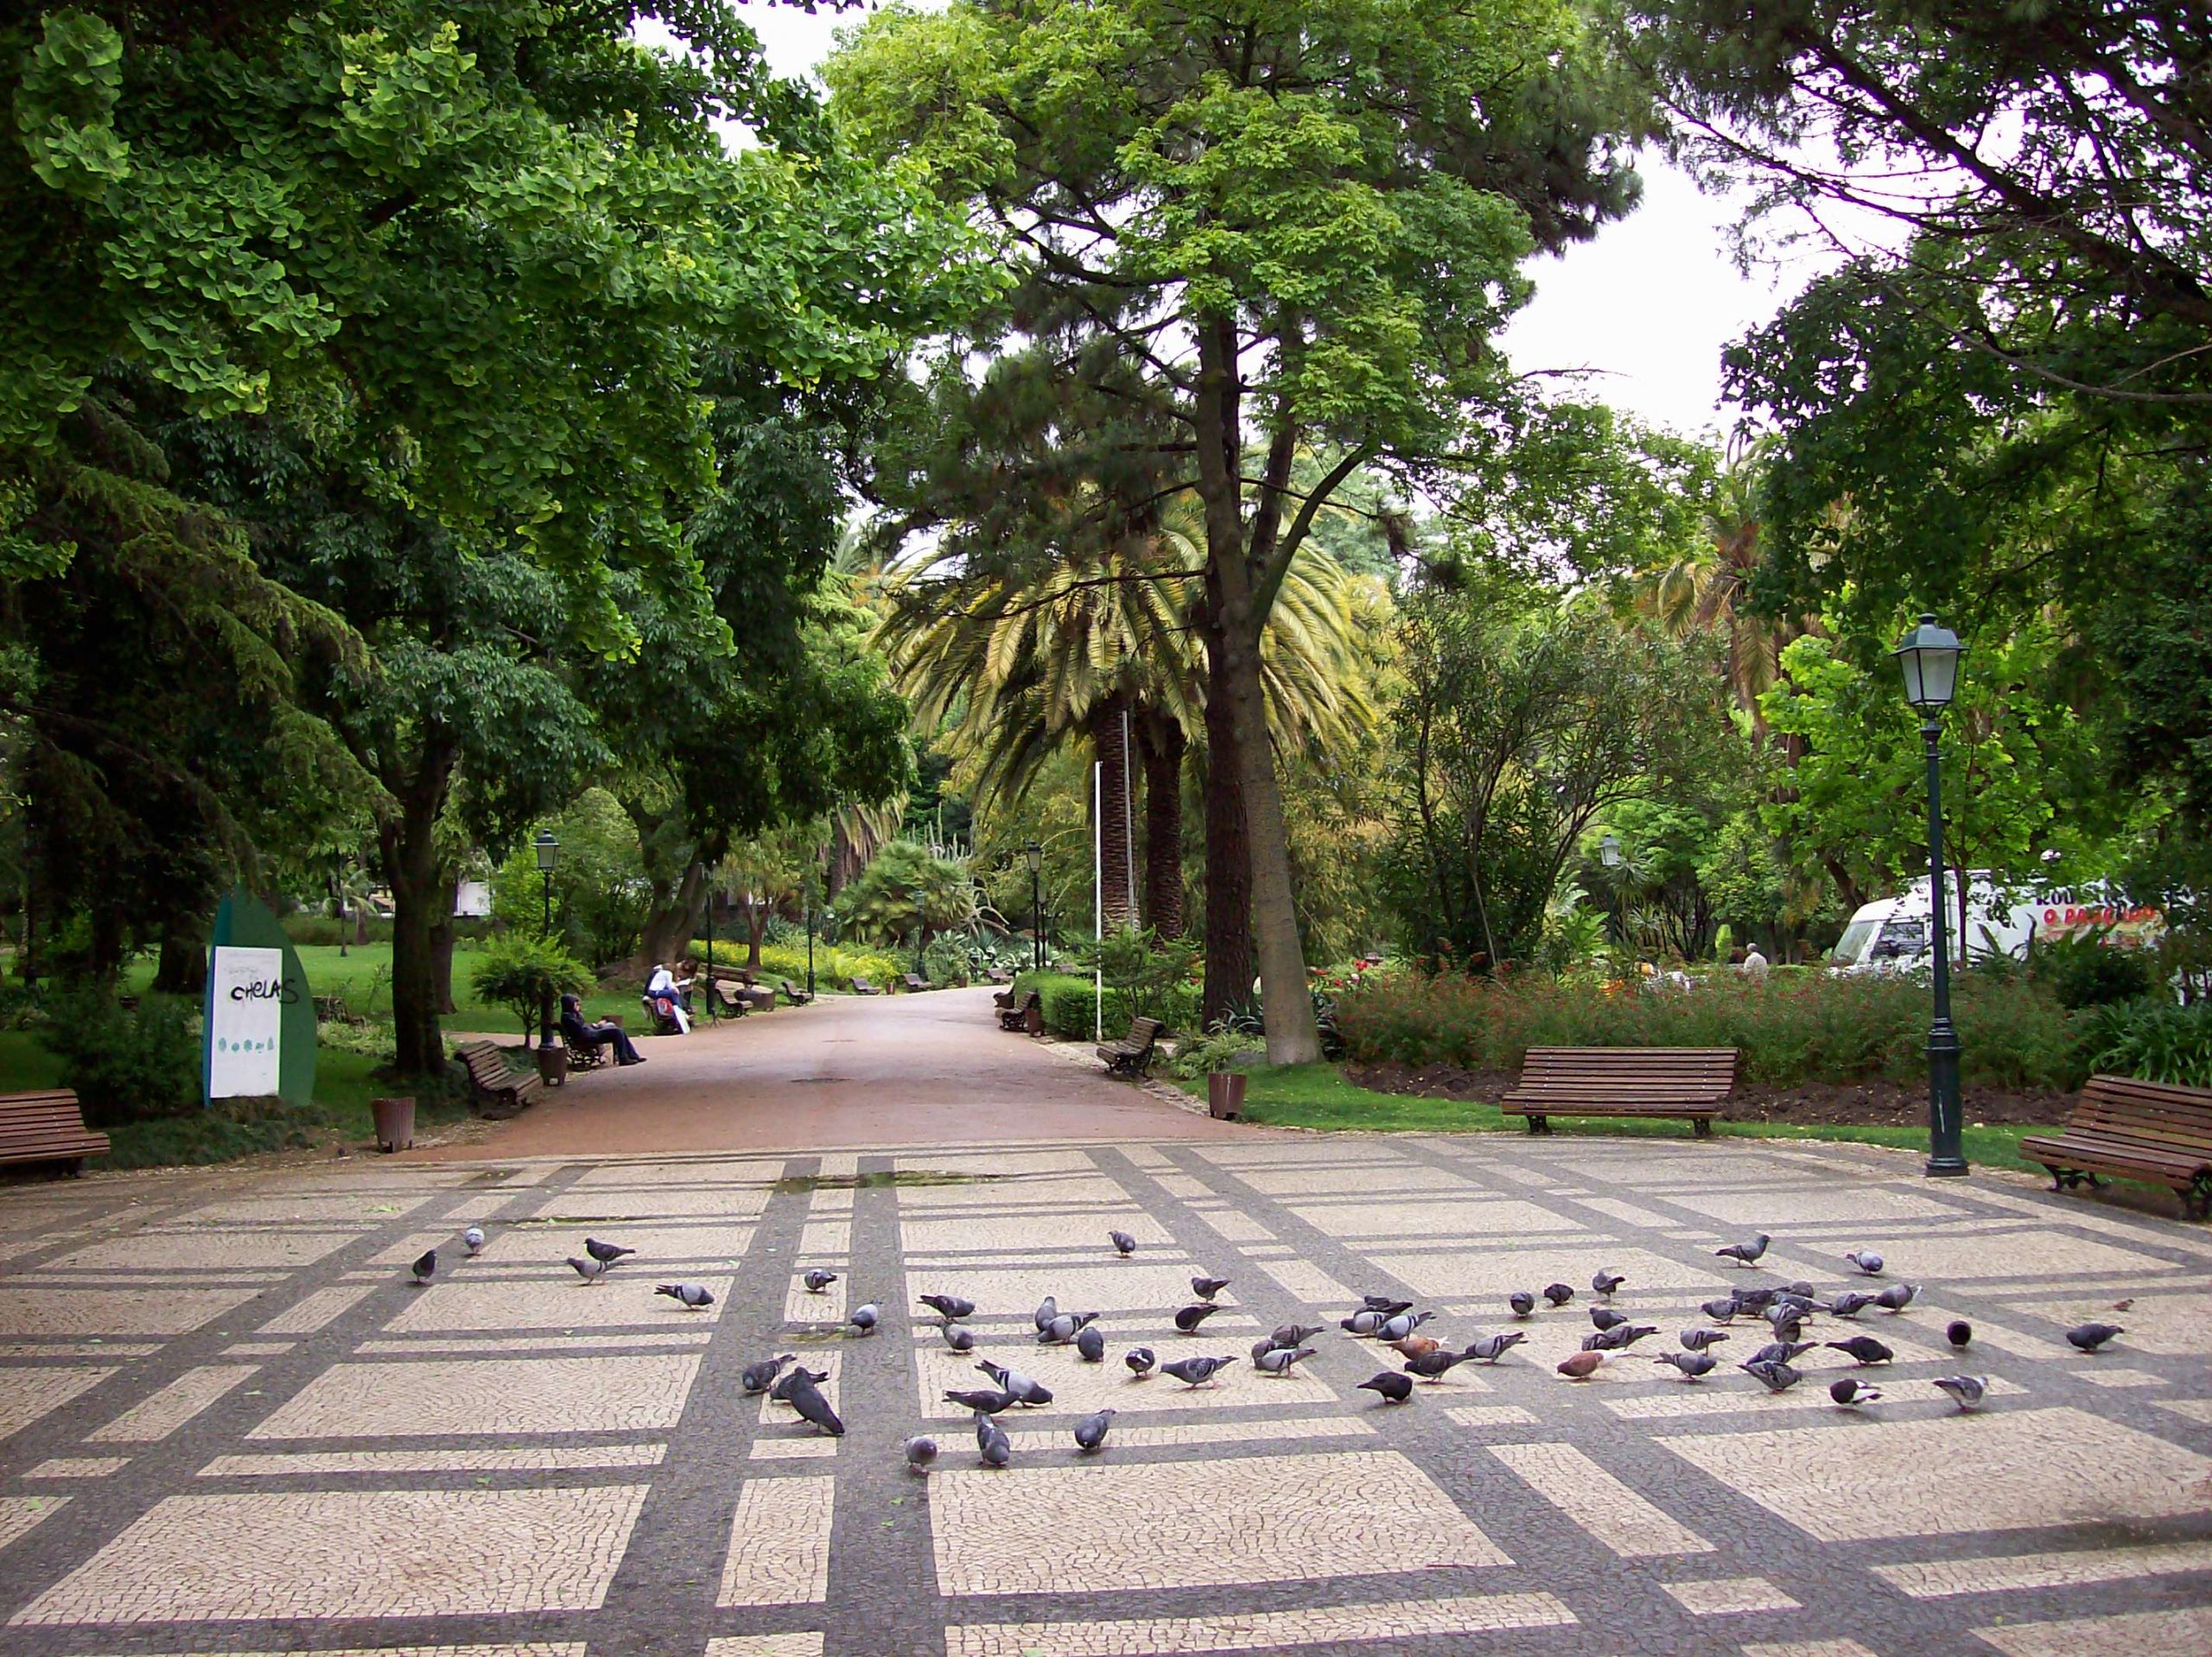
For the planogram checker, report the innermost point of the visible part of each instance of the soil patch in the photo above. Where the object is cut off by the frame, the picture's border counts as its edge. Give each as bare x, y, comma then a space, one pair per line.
1877, 1103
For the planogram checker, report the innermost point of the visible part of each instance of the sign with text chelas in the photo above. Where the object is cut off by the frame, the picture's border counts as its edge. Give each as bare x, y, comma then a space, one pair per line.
245, 1022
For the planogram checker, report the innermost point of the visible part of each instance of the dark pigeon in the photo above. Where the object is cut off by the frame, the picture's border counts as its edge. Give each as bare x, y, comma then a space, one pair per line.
806, 1397
426, 1266
1206, 1287
1192, 1316
2087, 1337
605, 1252
1394, 1389
1747, 1252
949, 1307
1089, 1344
759, 1377
1866, 1349
1091, 1431
1139, 1360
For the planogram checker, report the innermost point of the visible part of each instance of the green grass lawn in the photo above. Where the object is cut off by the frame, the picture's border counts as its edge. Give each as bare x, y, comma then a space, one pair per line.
1317, 1097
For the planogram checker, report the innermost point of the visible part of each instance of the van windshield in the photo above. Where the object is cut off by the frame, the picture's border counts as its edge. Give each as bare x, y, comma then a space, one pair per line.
1851, 947
1903, 938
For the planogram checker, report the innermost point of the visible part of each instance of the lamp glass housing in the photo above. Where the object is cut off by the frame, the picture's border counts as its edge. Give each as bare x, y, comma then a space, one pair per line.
548, 851
1930, 657
1609, 852
1035, 854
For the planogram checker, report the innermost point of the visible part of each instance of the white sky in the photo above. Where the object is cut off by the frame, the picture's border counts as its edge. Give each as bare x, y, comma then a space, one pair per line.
1645, 307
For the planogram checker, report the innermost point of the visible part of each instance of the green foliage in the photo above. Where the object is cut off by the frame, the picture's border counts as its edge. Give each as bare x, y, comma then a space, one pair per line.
905, 894
947, 962
2154, 1039
1218, 1050
125, 1065
1072, 1010
526, 974
2087, 969
598, 886
835, 965
1151, 975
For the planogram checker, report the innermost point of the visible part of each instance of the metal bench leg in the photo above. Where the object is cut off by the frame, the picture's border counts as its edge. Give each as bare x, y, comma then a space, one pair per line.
1540, 1124
1701, 1127
2196, 1200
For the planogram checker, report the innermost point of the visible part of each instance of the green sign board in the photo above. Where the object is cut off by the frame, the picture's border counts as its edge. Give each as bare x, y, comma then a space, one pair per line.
259, 1037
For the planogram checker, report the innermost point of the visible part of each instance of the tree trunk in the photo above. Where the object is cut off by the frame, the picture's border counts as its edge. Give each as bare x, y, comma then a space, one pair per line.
756, 924
1109, 730
1164, 745
1229, 966
183, 967
672, 926
411, 864
441, 944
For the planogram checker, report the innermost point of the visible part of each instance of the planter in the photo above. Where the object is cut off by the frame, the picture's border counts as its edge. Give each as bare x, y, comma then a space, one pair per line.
1225, 1095
552, 1064
395, 1123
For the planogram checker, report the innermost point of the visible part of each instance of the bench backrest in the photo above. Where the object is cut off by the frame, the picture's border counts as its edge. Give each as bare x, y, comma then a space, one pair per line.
487, 1067
43, 1115
1638, 1068
2153, 1112
1144, 1031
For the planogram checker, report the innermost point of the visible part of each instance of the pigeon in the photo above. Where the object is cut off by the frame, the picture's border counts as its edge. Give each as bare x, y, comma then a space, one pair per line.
1958, 1333
1124, 1244
1522, 1301
1965, 1390
472, 1239
951, 1307
1581, 1365
759, 1377
1295, 1334
1192, 1316
2087, 1337
1415, 1346
1489, 1348
693, 1295
1394, 1389
1721, 1310
1047, 1310
1206, 1287
1696, 1340
1089, 1344
1866, 1349
1195, 1372
1618, 1338
1754, 1300
817, 1280
1389, 1306
606, 1254
1775, 1377
781, 1392
1694, 1365
1850, 1304
1091, 1431
1362, 1322
1867, 1260
1800, 1290
982, 1402
1558, 1293
1605, 1282
805, 1397
991, 1442
1139, 1360
1852, 1390
1436, 1364
1778, 1352
1277, 1360
1397, 1329
920, 1452
959, 1338
589, 1270
1747, 1253
1897, 1297
1604, 1318
426, 1268
1027, 1391
864, 1318
1787, 1325
1064, 1328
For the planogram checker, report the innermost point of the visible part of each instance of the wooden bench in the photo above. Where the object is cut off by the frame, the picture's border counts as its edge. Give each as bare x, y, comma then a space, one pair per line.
1688, 1082
915, 982
1132, 1055
508, 1091
2152, 1131
1016, 1011
796, 997
861, 987
731, 997
997, 975
47, 1127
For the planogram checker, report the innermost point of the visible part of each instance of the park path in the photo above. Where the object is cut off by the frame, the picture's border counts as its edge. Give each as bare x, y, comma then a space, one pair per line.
849, 1071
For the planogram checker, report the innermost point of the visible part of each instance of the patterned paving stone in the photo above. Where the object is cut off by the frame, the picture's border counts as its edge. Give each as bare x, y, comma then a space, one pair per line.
201, 1249
2137, 1633
169, 1310
1263, 1518
1463, 1219
765, 1645
1018, 1236
538, 1245
1999, 1469
77, 1467
489, 1397
318, 1206
1771, 1212
160, 1413
1729, 1595
478, 1458
588, 1209
1808, 1648
317, 1310
1621, 1519
352, 1554
779, 1542
623, 1300
1324, 1179
1496, 1273
1261, 1630
2022, 1254
27, 1394
20, 1514
2169, 1326
1942, 1578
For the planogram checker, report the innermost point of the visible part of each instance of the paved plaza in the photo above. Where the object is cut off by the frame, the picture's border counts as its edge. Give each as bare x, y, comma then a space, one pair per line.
230, 1423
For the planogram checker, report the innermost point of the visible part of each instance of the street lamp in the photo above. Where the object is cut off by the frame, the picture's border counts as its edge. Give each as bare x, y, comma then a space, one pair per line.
1035, 854
1609, 852
549, 853
810, 897
1930, 656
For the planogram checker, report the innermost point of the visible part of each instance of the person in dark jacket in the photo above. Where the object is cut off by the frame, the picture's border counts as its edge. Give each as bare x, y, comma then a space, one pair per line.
577, 1034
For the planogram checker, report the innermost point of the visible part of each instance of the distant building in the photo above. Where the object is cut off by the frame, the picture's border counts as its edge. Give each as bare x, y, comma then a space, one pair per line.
472, 899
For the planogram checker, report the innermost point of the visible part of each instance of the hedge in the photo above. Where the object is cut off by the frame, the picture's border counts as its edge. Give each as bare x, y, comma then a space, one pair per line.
833, 966
1070, 1001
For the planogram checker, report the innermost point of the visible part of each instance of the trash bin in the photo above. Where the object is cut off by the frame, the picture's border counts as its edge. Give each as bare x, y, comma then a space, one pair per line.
1225, 1095
395, 1123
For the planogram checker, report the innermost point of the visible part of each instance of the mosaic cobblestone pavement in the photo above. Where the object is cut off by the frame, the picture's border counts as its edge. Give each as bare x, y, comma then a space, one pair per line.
229, 1423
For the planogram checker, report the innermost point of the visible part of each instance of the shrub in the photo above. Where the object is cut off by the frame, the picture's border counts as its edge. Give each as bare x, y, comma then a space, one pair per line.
127, 1064
1070, 1008
834, 964
2154, 1040
525, 974
2085, 970
328, 931
947, 961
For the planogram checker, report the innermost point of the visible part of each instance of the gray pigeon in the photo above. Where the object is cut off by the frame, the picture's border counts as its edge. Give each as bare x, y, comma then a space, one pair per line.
1397, 1329
1747, 1253
759, 1377
1089, 1344
1192, 1316
1362, 1323
1273, 1359
1694, 1365
781, 1392
817, 1280
1047, 1310
1139, 1360
1606, 1317
2087, 1337
1558, 1293
1522, 1301
1434, 1366
1753, 1299
1850, 1390
1389, 1306
1489, 1348
693, 1295
1295, 1334
1394, 1389
1850, 1304
951, 1307
1206, 1287
1091, 1431
1619, 1337
920, 1452
991, 1442
1063, 1328
983, 1403
1800, 1290
806, 1397
1897, 1297
589, 1270
1965, 1390
1779, 1352
473, 1240
426, 1268
1722, 1309
1958, 1333
1775, 1377
1867, 1260
1866, 1349
1787, 1322
1605, 1282
959, 1338
605, 1252
1028, 1392
1124, 1244
1195, 1372
864, 1318
1696, 1340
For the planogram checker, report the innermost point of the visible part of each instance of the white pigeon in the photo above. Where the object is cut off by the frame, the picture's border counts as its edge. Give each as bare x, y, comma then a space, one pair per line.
474, 1238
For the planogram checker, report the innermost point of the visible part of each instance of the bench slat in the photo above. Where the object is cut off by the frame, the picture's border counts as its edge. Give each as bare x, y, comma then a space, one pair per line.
47, 1126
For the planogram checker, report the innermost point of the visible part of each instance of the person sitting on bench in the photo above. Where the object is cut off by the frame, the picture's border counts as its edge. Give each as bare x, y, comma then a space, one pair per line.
671, 999
577, 1034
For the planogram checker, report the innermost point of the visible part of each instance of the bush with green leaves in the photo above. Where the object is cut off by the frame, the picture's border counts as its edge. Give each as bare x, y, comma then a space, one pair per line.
1223, 1048
1152, 974
836, 965
600, 896
2152, 1039
1069, 1007
905, 894
2087, 969
129, 1063
525, 974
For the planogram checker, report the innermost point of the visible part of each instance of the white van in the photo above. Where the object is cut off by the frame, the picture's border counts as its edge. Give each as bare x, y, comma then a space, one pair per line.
1891, 935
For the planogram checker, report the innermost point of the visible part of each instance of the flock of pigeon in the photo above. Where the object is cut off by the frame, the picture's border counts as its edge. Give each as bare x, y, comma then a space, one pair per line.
1786, 1309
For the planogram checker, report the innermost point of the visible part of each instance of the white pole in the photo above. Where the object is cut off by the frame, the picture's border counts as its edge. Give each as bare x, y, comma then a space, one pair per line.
1128, 821
1098, 899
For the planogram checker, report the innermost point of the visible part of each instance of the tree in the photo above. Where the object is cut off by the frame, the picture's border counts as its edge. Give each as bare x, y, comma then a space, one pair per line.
1295, 226
766, 871
906, 894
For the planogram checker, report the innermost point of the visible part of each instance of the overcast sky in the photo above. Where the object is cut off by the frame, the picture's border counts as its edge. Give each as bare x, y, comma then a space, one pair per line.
1646, 306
